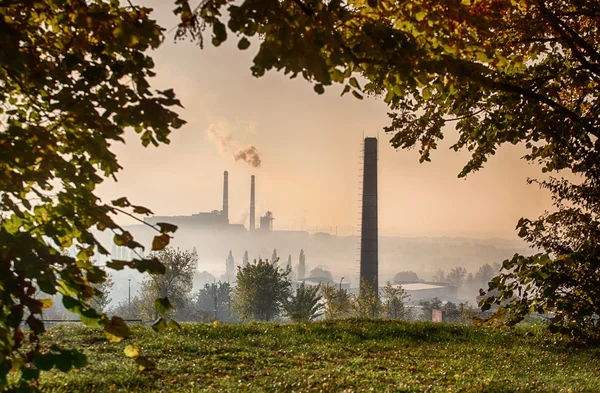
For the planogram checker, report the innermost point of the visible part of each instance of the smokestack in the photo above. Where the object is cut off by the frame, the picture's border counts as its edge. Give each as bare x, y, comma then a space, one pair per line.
368, 240
252, 204
226, 196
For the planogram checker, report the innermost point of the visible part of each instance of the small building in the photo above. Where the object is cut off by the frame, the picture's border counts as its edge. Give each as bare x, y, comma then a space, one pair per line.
428, 290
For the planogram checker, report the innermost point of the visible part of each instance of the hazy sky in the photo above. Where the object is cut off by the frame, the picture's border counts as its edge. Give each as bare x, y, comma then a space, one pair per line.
309, 146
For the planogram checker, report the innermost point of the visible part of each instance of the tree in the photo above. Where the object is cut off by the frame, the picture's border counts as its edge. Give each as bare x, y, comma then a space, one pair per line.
301, 265
406, 276
428, 306
212, 302
500, 71
394, 302
367, 303
457, 276
274, 257
321, 272
262, 290
245, 260
230, 266
177, 280
338, 303
101, 299
289, 262
439, 276
305, 305
485, 273
74, 77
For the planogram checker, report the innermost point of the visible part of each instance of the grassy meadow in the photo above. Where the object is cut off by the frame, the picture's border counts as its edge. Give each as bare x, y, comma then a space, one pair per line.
329, 356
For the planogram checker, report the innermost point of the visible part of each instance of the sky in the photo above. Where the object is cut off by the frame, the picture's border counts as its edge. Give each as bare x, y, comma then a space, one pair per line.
309, 146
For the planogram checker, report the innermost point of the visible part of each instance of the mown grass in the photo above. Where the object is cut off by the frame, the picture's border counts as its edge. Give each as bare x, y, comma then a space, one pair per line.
336, 356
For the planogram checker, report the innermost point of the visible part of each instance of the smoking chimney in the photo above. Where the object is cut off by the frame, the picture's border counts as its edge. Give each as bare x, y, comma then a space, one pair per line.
368, 240
225, 211
252, 204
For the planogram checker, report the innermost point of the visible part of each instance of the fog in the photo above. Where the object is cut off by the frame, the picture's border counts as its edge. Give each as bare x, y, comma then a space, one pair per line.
423, 255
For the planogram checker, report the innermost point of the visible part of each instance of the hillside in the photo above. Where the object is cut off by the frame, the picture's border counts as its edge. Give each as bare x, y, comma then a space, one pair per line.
335, 356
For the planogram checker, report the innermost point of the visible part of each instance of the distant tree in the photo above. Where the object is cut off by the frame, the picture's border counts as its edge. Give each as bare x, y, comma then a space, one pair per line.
428, 305
305, 304
177, 281
439, 276
406, 276
322, 273
274, 257
470, 280
245, 260
262, 290
289, 262
486, 273
213, 301
368, 303
101, 298
301, 265
337, 302
457, 276
230, 266
394, 301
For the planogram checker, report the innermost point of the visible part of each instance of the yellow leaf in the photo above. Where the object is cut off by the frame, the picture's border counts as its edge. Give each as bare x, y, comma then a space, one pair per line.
46, 303
112, 338
132, 351
216, 324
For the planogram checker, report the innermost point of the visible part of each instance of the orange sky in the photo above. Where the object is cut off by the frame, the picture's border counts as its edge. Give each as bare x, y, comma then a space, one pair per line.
309, 147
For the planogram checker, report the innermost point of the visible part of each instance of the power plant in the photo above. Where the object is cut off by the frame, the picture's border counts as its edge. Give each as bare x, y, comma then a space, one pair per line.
219, 219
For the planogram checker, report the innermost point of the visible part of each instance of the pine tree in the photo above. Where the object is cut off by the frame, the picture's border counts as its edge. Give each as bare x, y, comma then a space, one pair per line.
274, 257
245, 260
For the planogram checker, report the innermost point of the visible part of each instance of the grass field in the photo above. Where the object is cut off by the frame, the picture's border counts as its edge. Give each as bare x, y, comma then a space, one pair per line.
335, 356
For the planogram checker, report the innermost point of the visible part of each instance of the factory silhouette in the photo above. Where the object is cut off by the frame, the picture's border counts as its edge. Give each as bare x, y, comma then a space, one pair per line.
219, 219
356, 262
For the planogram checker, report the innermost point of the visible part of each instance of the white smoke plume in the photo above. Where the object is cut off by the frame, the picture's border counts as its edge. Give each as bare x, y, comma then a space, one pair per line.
220, 134
249, 155
222, 139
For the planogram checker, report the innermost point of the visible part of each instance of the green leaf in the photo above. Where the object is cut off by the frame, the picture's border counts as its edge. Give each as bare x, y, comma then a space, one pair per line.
145, 364
141, 210
243, 44
162, 305
166, 227
121, 202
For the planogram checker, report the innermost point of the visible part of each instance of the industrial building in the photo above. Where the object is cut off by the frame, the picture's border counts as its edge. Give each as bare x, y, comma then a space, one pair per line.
219, 219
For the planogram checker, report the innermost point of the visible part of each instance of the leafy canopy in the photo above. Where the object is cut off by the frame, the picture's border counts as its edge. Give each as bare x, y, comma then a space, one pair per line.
500, 71
74, 77
261, 291
305, 304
